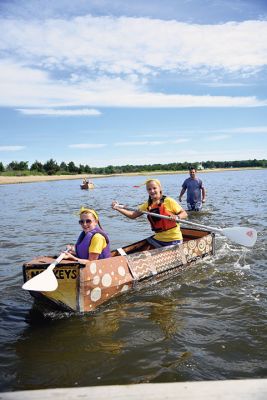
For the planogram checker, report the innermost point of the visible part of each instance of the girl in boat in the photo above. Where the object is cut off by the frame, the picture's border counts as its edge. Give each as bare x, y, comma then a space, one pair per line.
93, 242
167, 232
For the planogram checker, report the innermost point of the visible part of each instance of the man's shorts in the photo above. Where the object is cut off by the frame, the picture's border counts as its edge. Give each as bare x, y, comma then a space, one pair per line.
194, 206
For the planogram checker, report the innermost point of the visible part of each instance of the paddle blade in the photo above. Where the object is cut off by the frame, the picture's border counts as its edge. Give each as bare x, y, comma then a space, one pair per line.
241, 235
43, 282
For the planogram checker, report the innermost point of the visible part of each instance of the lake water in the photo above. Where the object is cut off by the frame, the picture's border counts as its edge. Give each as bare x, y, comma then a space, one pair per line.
208, 322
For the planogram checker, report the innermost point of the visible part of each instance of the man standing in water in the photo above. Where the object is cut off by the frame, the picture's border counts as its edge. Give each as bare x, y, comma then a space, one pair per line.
196, 194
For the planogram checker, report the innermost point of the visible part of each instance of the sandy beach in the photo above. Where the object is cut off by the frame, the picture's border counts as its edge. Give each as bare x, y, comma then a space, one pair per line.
5, 180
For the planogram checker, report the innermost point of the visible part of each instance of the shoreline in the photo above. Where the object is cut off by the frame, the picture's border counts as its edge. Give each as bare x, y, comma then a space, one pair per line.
7, 180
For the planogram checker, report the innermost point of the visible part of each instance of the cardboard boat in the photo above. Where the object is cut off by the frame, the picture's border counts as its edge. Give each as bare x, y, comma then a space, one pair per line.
83, 288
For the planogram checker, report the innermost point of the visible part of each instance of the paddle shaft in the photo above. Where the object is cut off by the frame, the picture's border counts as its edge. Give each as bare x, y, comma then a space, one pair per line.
240, 235
53, 265
208, 228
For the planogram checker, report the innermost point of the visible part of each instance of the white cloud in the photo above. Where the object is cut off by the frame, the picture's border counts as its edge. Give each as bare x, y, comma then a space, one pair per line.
87, 146
125, 144
248, 129
218, 137
12, 148
178, 141
150, 143
24, 86
143, 44
153, 135
226, 84
161, 100
223, 133
58, 112
107, 61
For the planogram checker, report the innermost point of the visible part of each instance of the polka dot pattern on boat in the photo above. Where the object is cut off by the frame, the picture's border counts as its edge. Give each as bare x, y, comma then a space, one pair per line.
103, 279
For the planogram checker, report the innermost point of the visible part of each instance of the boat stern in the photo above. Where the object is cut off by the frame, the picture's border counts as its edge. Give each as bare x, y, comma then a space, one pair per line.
66, 295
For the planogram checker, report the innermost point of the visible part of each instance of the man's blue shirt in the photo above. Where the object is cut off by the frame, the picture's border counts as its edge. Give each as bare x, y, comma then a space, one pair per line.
193, 187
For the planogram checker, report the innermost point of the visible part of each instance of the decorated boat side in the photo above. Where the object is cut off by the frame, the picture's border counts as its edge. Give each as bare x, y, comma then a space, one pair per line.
83, 288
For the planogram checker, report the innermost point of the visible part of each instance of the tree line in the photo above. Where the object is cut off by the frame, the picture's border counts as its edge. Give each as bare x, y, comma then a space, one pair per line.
51, 167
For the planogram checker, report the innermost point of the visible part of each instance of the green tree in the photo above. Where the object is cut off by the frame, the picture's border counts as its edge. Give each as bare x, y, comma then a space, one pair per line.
37, 166
51, 167
63, 167
2, 168
72, 168
81, 169
18, 166
109, 170
87, 169
13, 166
23, 165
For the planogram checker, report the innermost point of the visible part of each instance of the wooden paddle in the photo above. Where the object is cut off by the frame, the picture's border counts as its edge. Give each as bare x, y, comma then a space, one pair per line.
46, 280
238, 234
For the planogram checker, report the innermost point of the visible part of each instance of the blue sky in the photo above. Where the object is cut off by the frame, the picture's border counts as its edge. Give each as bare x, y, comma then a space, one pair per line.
121, 82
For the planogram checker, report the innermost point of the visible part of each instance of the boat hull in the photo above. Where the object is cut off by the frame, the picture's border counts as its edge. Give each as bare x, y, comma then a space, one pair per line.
83, 288
87, 186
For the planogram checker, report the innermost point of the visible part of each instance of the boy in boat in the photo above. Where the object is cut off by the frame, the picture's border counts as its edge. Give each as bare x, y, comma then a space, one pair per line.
167, 232
196, 194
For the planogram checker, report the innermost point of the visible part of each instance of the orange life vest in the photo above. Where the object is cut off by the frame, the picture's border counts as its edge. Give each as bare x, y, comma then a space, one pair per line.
158, 224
